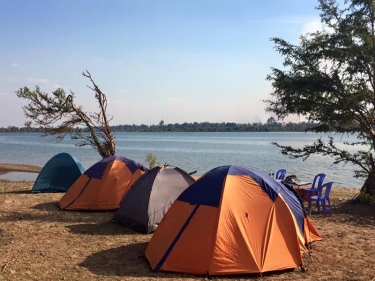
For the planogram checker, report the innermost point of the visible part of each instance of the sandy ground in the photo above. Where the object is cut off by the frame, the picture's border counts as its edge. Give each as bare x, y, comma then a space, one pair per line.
6, 168
38, 241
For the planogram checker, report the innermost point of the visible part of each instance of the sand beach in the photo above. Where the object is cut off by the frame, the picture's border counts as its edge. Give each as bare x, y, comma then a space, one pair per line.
38, 241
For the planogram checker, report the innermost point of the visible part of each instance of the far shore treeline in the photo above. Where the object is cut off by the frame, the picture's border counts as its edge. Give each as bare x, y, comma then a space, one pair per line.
270, 126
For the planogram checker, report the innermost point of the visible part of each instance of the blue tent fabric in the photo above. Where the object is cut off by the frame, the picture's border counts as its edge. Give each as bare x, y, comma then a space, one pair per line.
213, 182
211, 193
58, 174
215, 178
97, 170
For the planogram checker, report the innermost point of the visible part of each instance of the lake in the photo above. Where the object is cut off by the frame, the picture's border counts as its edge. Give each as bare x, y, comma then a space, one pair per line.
189, 151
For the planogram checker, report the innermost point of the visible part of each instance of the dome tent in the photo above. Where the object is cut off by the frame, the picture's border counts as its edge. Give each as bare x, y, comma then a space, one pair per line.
147, 201
103, 185
233, 220
58, 174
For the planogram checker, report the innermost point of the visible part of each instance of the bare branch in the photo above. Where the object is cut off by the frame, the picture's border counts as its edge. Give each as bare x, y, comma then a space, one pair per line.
59, 115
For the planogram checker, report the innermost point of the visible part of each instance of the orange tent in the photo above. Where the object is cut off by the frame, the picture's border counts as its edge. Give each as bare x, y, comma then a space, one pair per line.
233, 220
102, 186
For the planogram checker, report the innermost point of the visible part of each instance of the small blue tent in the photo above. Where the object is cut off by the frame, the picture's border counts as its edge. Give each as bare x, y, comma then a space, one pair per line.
58, 174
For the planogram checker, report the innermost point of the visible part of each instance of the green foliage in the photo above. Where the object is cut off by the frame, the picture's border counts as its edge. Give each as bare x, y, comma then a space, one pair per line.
365, 198
216, 127
329, 78
151, 160
193, 127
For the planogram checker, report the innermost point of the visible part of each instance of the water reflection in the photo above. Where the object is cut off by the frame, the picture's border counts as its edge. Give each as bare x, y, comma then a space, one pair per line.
19, 176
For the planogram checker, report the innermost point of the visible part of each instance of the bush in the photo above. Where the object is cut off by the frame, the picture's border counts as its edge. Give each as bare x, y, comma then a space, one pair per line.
151, 160
365, 198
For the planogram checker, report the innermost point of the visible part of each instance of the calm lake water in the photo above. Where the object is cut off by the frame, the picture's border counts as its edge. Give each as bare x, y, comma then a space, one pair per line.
189, 151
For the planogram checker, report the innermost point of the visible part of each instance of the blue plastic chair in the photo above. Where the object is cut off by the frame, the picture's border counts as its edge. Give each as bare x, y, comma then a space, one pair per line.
322, 199
280, 175
316, 185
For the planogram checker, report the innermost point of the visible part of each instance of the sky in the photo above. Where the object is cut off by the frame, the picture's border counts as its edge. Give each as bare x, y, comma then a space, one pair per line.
172, 60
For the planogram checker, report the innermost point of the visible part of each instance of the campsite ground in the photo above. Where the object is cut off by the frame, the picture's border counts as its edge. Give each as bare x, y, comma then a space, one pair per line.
38, 241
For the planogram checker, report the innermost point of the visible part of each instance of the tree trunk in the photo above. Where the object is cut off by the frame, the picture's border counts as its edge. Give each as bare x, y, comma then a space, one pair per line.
369, 186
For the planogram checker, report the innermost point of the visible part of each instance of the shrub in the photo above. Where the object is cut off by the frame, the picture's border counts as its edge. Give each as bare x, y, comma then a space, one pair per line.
151, 160
365, 198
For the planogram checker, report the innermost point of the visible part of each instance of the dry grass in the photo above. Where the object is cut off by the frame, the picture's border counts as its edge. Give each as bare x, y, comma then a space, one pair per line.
38, 241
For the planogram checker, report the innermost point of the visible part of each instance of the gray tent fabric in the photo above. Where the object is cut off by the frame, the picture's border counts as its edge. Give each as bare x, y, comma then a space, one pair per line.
58, 174
150, 197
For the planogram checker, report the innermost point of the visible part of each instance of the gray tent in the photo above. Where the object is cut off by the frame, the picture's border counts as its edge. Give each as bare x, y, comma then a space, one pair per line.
150, 197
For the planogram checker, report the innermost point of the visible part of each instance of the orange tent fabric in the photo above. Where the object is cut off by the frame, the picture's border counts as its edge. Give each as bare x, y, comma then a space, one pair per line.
311, 234
233, 220
102, 186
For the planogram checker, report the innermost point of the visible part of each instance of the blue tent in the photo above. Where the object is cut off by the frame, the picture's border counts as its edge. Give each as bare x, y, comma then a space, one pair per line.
58, 174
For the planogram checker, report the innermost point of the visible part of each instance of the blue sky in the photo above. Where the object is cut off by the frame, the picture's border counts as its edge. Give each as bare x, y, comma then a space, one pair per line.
180, 61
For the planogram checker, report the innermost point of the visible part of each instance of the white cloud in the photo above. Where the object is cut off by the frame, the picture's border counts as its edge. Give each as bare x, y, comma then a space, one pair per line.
35, 80
14, 65
124, 92
11, 79
311, 26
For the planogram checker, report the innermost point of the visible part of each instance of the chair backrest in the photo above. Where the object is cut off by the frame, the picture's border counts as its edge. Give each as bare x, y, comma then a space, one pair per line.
326, 188
280, 175
318, 181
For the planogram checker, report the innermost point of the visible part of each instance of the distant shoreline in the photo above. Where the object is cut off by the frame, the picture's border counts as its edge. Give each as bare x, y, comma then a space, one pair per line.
270, 126
7, 168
